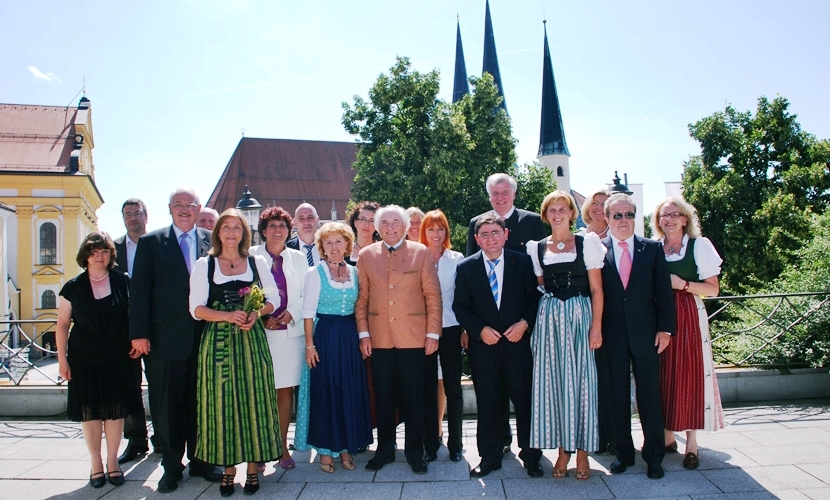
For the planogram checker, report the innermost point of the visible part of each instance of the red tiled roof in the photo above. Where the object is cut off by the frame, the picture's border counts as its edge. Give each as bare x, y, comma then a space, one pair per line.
36, 138
286, 172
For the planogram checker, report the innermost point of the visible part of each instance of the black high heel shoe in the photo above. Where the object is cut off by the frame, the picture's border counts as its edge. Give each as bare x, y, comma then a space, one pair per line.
251, 484
97, 479
116, 478
226, 486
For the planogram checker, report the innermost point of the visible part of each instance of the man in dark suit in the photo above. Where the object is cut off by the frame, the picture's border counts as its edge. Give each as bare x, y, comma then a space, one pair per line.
495, 302
522, 227
162, 329
306, 221
637, 322
134, 212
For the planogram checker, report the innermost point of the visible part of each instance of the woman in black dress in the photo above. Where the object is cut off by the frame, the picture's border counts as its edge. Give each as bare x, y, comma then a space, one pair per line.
95, 357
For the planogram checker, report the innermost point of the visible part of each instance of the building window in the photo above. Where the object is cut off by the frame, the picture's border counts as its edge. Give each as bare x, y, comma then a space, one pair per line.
560, 172
48, 300
48, 244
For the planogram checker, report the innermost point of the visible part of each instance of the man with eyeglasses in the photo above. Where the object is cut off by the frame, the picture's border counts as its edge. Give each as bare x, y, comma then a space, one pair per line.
495, 302
637, 322
134, 212
164, 332
306, 221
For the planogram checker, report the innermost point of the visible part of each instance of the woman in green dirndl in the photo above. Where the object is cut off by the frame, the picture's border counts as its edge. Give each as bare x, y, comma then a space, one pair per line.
237, 406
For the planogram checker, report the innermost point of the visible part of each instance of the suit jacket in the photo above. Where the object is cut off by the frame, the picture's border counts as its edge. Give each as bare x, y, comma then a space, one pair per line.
121, 254
522, 227
475, 307
160, 292
631, 317
294, 243
294, 265
399, 298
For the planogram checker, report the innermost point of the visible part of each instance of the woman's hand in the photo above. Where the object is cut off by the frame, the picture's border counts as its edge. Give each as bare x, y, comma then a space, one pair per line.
311, 356
284, 318
237, 318
594, 338
250, 319
271, 323
64, 370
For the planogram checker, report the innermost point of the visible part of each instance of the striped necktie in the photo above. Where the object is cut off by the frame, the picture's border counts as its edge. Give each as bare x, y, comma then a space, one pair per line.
494, 281
308, 254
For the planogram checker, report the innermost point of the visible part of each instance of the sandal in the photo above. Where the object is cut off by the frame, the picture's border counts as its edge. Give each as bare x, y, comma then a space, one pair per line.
347, 464
327, 467
226, 486
583, 467
251, 483
287, 463
560, 472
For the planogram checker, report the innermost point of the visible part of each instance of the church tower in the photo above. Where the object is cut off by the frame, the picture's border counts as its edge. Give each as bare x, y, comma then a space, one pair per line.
491, 60
553, 150
460, 86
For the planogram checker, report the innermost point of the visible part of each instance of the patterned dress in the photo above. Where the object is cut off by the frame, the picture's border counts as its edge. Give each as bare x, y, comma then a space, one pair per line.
688, 383
564, 398
333, 406
237, 405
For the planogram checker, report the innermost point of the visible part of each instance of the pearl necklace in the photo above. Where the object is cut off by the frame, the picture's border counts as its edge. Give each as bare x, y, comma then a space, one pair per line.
561, 244
98, 279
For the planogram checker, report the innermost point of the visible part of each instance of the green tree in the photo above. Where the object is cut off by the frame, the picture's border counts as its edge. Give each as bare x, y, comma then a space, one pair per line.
755, 184
418, 150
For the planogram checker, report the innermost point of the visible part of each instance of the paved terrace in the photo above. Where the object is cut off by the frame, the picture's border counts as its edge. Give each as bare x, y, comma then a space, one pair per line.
766, 451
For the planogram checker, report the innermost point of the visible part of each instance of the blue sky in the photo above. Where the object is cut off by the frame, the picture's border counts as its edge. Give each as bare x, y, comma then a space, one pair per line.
174, 83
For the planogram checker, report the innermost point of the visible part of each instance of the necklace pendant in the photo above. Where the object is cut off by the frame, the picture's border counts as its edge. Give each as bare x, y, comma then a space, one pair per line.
560, 245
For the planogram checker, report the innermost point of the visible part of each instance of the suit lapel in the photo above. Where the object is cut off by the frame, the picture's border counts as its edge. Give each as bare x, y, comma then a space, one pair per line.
482, 281
204, 242
610, 261
637, 257
172, 246
509, 277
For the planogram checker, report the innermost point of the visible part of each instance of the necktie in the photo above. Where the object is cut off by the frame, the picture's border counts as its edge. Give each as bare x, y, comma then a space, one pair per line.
391, 249
625, 264
309, 257
494, 281
185, 246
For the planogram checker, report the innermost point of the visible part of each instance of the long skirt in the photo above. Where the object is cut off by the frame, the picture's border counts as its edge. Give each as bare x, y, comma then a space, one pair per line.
333, 414
237, 404
688, 384
564, 412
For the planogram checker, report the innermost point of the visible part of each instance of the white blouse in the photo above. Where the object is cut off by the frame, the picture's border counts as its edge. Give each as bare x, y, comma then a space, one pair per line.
706, 257
447, 265
593, 253
200, 284
312, 287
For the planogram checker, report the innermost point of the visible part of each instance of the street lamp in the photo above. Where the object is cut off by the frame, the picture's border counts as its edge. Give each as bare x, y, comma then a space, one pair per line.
619, 187
250, 209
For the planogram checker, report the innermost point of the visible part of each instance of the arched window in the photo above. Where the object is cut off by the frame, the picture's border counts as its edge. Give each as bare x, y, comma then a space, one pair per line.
560, 172
48, 244
48, 300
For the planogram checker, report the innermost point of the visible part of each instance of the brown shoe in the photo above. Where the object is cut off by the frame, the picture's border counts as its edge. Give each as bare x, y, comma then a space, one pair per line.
691, 461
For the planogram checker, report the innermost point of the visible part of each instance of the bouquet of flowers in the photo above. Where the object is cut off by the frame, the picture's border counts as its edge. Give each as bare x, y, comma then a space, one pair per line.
252, 298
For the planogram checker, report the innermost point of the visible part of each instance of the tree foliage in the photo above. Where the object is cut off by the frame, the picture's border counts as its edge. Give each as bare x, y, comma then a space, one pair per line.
418, 150
755, 185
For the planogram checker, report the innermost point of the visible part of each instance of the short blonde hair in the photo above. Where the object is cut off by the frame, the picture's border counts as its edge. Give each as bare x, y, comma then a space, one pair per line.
553, 198
330, 228
692, 228
586, 207
244, 243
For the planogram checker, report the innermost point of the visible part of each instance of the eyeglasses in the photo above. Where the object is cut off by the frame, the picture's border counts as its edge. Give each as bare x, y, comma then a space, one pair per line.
182, 206
137, 213
364, 220
671, 215
491, 234
627, 215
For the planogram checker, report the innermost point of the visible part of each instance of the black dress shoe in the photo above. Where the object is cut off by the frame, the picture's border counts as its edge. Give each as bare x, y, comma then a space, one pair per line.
690, 461
456, 456
618, 466
418, 466
505, 449
116, 478
655, 471
132, 451
206, 471
483, 469
169, 482
430, 456
377, 462
362, 449
97, 479
534, 469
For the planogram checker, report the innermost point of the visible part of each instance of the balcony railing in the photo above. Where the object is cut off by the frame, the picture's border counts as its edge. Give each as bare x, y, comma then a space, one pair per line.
27, 353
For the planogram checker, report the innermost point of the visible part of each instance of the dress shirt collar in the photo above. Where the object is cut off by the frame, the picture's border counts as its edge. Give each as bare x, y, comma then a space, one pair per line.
508, 214
395, 246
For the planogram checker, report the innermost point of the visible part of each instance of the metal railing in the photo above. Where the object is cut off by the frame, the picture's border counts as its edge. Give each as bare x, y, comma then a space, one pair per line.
27, 353
777, 330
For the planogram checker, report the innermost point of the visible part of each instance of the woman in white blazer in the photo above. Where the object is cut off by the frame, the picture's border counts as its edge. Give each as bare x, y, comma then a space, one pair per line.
284, 327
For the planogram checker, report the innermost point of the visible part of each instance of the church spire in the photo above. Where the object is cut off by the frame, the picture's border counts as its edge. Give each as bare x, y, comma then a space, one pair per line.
460, 86
491, 60
552, 132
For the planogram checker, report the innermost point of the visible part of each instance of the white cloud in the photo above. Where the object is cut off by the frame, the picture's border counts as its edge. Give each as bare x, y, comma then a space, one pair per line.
40, 75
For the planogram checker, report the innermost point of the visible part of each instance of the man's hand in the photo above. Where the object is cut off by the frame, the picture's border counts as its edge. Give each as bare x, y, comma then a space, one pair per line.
141, 346
284, 318
271, 323
465, 340
516, 331
489, 336
366, 347
661, 341
431, 346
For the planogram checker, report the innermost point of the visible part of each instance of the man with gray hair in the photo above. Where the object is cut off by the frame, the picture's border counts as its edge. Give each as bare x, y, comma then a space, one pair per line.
207, 218
306, 221
399, 320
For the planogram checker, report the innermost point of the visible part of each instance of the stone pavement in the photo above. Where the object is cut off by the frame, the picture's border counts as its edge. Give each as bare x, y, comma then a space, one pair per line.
766, 451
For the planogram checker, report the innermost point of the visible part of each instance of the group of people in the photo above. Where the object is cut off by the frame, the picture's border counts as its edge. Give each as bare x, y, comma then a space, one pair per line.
369, 318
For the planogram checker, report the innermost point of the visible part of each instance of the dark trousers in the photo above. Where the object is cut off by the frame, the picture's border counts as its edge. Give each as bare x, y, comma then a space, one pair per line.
135, 424
486, 382
505, 433
431, 440
172, 385
450, 350
398, 378
605, 413
647, 378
